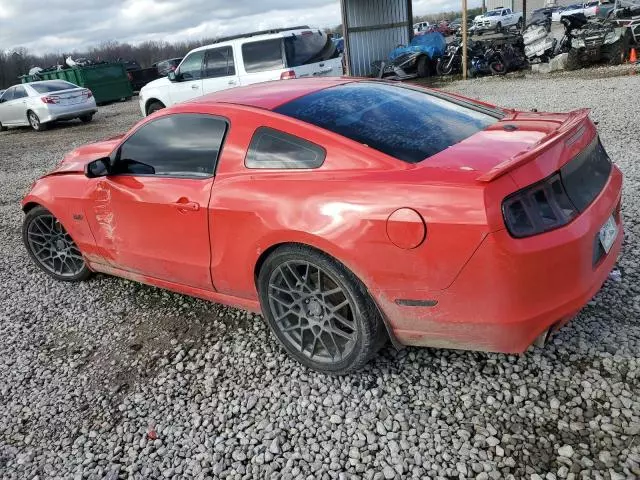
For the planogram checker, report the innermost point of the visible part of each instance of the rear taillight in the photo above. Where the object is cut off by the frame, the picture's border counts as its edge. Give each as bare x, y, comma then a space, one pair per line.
88, 93
50, 100
288, 75
538, 208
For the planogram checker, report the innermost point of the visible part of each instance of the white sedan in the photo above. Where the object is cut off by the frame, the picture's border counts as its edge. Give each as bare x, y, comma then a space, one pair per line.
38, 104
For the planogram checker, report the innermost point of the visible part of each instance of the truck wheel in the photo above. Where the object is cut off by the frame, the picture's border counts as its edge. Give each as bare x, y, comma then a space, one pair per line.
154, 107
499, 27
519, 25
2, 128
573, 59
423, 67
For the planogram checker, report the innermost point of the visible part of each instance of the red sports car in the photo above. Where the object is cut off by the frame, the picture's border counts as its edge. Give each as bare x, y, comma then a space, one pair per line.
348, 212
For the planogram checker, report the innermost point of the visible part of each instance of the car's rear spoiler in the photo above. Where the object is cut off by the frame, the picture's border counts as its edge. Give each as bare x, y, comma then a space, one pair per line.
565, 130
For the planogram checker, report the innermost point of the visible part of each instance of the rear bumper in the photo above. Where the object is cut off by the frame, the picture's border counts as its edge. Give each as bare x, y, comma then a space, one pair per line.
53, 113
512, 290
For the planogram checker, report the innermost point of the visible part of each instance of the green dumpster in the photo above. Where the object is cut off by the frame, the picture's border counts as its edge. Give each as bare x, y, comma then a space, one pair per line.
108, 81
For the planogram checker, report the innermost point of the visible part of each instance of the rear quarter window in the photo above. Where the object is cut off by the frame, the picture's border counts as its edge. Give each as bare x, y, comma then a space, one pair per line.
263, 55
272, 148
408, 124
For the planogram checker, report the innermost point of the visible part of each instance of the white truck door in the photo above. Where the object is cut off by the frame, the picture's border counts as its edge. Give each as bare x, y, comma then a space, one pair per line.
219, 72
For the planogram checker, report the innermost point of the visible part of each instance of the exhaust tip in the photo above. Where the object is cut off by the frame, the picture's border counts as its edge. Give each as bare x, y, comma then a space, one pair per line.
542, 338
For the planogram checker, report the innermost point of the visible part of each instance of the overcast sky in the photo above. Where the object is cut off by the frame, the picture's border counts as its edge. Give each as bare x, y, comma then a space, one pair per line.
65, 25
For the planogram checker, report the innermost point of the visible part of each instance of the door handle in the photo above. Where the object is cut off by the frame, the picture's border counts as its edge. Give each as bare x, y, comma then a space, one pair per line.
195, 87
232, 82
187, 206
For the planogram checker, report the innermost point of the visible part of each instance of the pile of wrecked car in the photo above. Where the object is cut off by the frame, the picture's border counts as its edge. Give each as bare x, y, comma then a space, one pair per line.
606, 35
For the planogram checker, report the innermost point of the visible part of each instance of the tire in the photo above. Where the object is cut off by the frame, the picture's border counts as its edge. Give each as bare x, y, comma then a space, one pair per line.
497, 68
616, 53
3, 128
441, 66
423, 67
304, 320
573, 59
499, 27
86, 118
46, 239
154, 107
34, 121
519, 25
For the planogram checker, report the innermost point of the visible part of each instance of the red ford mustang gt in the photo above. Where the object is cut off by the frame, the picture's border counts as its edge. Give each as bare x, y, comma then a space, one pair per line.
348, 212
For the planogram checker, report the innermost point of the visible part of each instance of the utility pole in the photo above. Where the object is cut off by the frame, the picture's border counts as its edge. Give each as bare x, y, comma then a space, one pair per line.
464, 38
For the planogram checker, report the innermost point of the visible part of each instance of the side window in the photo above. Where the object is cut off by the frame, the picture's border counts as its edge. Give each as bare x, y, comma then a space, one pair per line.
8, 95
191, 68
182, 145
263, 56
218, 62
271, 148
20, 92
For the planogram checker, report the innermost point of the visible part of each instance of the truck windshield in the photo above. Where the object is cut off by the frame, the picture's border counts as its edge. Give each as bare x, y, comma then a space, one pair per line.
408, 124
308, 47
495, 13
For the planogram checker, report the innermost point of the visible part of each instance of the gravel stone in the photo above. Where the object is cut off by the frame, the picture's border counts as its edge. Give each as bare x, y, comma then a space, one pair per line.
566, 451
208, 393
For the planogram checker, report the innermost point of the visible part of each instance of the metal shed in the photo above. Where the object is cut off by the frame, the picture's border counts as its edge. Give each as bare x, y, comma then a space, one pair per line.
372, 29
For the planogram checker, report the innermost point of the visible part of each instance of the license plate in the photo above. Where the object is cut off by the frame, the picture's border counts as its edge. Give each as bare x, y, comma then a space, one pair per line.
608, 234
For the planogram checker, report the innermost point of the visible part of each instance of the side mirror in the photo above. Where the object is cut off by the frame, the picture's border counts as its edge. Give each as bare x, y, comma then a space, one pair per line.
172, 76
98, 168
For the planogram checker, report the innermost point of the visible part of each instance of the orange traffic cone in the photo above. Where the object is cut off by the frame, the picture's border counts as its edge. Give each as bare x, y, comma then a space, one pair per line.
633, 58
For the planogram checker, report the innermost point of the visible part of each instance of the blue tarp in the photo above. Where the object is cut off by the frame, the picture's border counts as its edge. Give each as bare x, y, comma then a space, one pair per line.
433, 44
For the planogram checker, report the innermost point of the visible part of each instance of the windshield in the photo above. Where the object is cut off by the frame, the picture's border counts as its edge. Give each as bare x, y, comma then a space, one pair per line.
309, 47
495, 13
52, 86
405, 123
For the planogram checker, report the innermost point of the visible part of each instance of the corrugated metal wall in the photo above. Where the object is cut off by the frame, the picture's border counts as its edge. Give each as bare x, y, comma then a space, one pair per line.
372, 29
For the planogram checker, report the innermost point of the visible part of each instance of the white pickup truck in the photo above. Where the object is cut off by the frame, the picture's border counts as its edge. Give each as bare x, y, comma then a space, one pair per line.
497, 20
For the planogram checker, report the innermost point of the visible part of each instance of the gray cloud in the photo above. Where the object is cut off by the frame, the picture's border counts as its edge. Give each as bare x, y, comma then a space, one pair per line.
64, 25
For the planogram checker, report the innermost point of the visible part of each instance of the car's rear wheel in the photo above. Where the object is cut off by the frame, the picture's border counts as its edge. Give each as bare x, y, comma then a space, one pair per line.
52, 248
86, 118
35, 123
319, 311
3, 128
499, 27
154, 107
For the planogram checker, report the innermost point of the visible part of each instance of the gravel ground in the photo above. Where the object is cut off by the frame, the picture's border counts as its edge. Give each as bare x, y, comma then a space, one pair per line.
112, 379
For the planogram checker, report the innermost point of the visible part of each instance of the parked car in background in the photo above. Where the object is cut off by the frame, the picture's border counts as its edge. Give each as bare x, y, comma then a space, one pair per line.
242, 60
39, 104
588, 9
421, 27
165, 66
491, 228
497, 20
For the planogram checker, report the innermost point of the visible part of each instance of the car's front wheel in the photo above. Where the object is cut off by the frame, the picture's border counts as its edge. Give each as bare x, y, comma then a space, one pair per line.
319, 311
35, 123
154, 107
52, 248
86, 118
